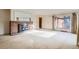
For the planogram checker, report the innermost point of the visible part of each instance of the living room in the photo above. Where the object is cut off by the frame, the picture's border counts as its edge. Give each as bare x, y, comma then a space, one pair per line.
35, 26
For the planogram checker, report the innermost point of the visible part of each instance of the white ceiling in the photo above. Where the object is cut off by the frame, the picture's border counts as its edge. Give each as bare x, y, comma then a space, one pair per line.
47, 11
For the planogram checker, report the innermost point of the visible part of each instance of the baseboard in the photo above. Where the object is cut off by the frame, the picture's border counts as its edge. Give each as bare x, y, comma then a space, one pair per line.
46, 29
4, 34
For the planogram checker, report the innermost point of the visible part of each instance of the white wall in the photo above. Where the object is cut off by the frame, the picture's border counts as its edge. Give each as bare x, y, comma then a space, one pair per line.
33, 17
46, 21
22, 15
4, 21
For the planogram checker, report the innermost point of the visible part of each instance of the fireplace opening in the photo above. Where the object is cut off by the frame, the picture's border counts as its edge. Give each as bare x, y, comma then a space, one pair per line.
22, 27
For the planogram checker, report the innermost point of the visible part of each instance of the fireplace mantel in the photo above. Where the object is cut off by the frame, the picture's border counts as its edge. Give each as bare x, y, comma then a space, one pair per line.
21, 22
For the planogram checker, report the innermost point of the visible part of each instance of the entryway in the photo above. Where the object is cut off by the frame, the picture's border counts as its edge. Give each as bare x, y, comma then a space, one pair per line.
40, 22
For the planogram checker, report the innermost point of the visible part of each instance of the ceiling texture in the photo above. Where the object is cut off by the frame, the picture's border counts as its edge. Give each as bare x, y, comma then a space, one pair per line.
47, 11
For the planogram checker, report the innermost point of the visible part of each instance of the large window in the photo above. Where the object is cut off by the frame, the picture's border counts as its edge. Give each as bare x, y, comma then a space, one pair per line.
62, 24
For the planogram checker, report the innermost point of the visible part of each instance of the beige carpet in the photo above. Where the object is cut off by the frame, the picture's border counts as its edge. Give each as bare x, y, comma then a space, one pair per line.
36, 39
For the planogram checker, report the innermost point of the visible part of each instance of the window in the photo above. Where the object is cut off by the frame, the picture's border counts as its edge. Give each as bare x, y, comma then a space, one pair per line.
62, 24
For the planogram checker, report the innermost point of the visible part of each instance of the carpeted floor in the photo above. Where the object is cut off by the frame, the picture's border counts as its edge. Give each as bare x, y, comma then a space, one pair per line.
39, 39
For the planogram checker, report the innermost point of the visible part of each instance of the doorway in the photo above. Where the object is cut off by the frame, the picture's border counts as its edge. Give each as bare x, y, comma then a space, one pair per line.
40, 22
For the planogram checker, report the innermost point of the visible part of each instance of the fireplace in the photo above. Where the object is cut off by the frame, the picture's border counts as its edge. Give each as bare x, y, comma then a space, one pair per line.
22, 27
19, 26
